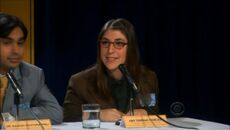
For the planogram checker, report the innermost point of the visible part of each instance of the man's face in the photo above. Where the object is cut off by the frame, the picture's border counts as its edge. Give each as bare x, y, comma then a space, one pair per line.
11, 50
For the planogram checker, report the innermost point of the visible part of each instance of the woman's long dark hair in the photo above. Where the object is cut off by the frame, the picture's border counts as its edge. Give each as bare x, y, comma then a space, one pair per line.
132, 58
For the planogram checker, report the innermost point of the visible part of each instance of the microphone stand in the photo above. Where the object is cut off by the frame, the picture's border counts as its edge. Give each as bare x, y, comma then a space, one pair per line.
17, 102
131, 107
134, 90
18, 93
131, 98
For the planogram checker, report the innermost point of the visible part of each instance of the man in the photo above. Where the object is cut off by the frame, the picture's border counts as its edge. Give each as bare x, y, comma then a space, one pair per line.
37, 100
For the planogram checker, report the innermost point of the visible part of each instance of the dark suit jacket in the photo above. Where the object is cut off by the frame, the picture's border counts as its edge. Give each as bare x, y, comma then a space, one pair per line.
82, 90
36, 95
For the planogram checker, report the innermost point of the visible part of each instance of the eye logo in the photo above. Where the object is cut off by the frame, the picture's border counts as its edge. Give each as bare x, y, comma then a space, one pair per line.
177, 108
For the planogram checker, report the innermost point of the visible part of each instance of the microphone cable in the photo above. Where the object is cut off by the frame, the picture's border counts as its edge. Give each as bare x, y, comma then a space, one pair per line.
172, 124
118, 122
131, 83
36, 118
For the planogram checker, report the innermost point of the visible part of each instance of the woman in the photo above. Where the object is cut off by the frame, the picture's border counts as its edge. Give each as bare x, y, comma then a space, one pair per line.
104, 83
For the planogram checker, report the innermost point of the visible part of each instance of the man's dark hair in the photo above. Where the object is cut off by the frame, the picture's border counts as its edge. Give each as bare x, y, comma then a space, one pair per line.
8, 23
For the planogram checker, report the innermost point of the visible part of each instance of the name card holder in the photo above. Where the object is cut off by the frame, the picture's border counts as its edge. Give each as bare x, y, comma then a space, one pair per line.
27, 125
144, 121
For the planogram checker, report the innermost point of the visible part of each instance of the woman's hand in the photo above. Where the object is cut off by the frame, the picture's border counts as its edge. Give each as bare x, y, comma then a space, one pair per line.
138, 112
110, 115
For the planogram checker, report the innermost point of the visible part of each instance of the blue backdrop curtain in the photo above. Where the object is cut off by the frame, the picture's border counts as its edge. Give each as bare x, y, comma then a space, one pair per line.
185, 42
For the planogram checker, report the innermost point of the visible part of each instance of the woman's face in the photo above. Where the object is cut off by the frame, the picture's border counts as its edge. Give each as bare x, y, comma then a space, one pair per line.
113, 49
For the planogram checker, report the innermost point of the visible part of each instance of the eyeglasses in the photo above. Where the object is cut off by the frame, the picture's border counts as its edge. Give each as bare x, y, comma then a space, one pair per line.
116, 44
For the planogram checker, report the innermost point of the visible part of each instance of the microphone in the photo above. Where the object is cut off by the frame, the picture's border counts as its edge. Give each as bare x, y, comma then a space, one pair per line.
126, 74
14, 83
19, 93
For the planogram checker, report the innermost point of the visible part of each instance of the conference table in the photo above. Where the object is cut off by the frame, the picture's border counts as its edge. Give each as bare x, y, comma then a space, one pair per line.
182, 121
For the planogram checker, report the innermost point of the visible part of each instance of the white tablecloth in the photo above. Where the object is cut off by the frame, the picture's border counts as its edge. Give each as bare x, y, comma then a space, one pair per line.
189, 122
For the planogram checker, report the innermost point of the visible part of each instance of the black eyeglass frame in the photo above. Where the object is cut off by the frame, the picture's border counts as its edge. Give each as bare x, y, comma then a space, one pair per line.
116, 44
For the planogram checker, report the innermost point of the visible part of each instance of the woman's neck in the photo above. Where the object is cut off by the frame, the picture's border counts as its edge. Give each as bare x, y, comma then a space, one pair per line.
116, 74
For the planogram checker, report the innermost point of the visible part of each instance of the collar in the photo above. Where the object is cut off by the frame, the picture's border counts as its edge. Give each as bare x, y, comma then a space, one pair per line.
2, 75
16, 72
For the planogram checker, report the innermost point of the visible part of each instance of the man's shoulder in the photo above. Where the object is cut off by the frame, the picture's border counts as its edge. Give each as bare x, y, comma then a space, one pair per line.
25, 67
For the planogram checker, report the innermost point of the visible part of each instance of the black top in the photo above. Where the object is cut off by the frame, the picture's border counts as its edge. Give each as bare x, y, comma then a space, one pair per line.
120, 93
